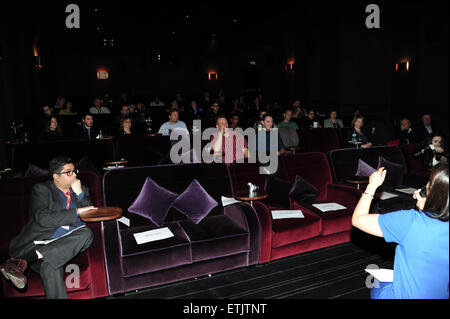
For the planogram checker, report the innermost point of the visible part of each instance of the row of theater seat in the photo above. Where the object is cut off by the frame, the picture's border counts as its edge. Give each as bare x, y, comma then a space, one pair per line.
234, 236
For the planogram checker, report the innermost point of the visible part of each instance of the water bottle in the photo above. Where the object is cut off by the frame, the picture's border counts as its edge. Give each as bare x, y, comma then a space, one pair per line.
25, 138
100, 135
354, 137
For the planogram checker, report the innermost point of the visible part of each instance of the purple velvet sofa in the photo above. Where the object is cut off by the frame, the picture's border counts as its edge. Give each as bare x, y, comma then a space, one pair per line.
228, 237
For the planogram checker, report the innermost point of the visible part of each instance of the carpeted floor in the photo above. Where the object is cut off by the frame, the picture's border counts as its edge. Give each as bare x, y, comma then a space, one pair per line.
334, 273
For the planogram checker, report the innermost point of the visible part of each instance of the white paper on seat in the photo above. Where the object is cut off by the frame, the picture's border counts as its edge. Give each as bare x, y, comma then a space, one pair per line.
228, 201
406, 190
382, 275
325, 207
124, 220
283, 214
385, 195
153, 235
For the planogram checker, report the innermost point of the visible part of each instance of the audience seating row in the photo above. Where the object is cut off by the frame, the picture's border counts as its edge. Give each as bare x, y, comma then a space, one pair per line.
234, 236
147, 150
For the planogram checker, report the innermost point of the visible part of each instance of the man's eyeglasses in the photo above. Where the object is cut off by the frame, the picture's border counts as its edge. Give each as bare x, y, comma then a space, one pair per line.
69, 173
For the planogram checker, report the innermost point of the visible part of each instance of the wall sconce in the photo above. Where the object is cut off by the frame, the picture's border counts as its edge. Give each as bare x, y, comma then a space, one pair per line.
102, 75
290, 65
212, 75
402, 66
37, 58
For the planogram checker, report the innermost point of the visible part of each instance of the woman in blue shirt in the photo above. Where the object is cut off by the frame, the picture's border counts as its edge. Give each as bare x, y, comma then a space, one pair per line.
421, 264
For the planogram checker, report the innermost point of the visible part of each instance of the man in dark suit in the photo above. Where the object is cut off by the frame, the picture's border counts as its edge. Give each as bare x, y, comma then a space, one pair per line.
87, 130
55, 209
424, 130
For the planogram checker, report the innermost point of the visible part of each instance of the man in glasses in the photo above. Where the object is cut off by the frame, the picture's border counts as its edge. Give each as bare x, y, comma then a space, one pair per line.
54, 233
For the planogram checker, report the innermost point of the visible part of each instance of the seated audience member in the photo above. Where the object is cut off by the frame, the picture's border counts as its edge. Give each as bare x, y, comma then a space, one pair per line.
157, 103
310, 121
43, 118
424, 130
257, 125
124, 112
125, 128
405, 133
357, 125
211, 114
55, 210
173, 123
421, 259
333, 121
67, 110
298, 111
52, 131
60, 101
267, 125
86, 130
435, 152
234, 120
98, 108
287, 116
236, 106
195, 110
230, 144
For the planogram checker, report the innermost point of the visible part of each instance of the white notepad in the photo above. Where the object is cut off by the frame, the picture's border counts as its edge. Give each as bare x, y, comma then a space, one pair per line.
325, 207
124, 220
228, 201
382, 275
153, 235
283, 214
385, 195
406, 190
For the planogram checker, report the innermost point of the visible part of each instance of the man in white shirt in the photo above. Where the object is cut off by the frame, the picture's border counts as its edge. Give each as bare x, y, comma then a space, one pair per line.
98, 108
173, 123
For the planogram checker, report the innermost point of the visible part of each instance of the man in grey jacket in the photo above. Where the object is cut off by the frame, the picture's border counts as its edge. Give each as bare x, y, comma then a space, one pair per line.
54, 233
333, 121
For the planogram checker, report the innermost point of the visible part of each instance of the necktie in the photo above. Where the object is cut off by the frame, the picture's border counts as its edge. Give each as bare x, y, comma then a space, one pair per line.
68, 199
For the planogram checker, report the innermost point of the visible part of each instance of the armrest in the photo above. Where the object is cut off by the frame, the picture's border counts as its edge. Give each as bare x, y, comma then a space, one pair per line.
348, 195
265, 220
245, 216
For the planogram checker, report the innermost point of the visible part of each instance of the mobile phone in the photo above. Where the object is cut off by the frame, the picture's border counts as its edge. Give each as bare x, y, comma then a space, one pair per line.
423, 191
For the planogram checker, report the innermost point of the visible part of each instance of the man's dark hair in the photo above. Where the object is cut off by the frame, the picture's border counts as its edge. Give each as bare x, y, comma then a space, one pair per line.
436, 205
83, 115
57, 163
173, 110
221, 116
266, 115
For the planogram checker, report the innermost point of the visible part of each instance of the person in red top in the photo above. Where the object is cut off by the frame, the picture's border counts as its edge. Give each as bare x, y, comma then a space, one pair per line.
230, 144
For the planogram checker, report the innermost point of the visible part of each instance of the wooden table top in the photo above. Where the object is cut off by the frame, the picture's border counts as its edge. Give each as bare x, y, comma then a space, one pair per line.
101, 214
247, 196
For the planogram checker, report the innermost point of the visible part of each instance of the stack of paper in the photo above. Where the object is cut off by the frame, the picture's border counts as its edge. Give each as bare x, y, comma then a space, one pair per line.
153, 235
325, 207
283, 214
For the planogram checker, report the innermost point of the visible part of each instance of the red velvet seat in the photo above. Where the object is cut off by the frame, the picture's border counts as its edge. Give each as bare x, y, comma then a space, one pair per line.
315, 169
14, 199
285, 237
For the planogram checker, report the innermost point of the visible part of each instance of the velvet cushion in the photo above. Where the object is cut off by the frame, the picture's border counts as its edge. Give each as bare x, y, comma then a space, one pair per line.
34, 170
278, 190
195, 202
303, 192
364, 169
153, 202
394, 171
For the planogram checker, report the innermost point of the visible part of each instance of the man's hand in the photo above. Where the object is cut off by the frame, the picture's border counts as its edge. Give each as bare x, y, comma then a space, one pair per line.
76, 187
377, 178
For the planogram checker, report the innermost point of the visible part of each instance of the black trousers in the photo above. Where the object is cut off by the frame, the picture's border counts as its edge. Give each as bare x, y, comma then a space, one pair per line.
56, 255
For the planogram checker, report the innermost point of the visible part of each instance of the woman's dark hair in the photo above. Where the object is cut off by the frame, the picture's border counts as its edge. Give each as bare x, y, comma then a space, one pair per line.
49, 121
436, 205
57, 163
